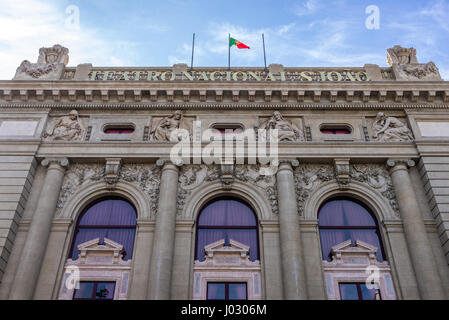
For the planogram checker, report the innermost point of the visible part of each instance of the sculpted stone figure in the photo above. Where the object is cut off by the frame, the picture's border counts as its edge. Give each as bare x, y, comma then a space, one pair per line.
406, 67
67, 128
50, 65
390, 129
287, 131
165, 129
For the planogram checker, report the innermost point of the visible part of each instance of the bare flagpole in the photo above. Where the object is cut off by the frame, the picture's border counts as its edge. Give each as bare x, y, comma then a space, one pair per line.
193, 50
229, 52
264, 54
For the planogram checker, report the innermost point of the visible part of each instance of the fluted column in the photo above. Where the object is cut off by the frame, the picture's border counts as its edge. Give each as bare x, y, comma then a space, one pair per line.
427, 276
293, 273
161, 263
33, 252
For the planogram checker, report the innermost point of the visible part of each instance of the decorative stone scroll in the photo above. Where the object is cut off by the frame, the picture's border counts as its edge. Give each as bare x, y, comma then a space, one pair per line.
50, 65
66, 128
308, 177
145, 177
406, 67
390, 129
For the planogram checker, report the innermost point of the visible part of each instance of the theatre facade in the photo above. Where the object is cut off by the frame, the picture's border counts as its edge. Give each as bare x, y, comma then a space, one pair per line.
248, 183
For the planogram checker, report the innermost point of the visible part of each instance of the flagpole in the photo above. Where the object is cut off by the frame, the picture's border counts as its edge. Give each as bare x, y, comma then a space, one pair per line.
229, 52
193, 50
264, 54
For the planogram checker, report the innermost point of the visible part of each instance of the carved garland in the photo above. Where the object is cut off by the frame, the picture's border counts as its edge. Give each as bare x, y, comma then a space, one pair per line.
309, 177
145, 177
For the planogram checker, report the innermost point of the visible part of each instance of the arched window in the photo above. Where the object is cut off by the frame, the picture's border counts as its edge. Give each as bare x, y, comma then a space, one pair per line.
227, 219
112, 218
344, 219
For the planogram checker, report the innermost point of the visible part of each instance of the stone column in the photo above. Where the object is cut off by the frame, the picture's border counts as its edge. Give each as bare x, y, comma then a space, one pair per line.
293, 273
33, 252
164, 238
426, 272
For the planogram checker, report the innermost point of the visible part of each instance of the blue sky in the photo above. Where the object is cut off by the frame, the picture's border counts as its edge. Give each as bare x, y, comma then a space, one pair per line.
159, 33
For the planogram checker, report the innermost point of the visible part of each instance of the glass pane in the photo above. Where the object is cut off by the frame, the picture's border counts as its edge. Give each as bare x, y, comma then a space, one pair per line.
348, 291
227, 213
105, 290
237, 291
368, 294
345, 213
85, 290
216, 291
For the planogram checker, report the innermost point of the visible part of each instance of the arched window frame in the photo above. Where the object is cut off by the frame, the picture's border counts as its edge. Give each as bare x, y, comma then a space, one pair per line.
113, 227
256, 227
363, 205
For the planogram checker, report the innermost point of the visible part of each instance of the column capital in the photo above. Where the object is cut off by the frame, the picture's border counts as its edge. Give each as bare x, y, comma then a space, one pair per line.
286, 164
400, 164
166, 162
62, 162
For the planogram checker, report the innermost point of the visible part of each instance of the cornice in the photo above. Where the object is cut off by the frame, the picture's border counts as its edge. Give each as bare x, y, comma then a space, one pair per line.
151, 93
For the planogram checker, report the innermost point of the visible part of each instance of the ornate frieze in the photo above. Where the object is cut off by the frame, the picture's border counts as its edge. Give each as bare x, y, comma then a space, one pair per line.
308, 177
193, 176
145, 177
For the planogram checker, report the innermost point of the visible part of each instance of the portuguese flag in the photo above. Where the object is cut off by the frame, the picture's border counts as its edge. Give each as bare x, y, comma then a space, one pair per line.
237, 43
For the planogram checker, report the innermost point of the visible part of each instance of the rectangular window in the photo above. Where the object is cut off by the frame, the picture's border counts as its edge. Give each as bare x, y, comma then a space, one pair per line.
95, 291
226, 291
358, 291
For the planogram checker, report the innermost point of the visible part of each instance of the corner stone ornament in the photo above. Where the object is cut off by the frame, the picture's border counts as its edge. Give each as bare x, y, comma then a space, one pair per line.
287, 131
406, 67
66, 128
390, 129
166, 130
50, 65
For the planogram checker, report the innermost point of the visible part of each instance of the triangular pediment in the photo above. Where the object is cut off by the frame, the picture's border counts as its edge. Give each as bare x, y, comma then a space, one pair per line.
220, 246
359, 247
94, 244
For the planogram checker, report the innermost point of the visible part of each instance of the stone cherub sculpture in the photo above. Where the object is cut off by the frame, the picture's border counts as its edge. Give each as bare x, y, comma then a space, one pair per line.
67, 128
287, 131
406, 67
166, 128
390, 129
50, 65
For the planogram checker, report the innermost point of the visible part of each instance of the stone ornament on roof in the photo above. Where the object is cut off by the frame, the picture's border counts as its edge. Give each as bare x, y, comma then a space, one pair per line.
50, 65
406, 67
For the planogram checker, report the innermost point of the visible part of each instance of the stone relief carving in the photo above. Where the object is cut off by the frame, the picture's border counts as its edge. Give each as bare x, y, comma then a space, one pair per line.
377, 177
287, 131
406, 67
66, 128
165, 129
390, 129
145, 177
49, 66
193, 176
309, 176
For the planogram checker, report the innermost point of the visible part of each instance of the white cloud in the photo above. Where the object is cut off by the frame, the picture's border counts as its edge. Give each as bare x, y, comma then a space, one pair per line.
307, 7
29, 25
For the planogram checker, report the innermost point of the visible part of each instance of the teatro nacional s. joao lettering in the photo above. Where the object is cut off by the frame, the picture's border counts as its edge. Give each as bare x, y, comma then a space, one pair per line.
288, 183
